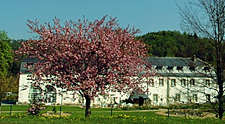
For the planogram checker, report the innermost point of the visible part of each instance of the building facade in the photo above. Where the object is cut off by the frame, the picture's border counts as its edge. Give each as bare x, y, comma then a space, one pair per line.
176, 81
181, 80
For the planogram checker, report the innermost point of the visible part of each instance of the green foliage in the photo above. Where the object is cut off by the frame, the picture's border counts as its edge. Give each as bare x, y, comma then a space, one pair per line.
4, 36
8, 67
20, 108
6, 58
176, 44
10, 97
6, 55
9, 83
101, 116
16, 44
15, 66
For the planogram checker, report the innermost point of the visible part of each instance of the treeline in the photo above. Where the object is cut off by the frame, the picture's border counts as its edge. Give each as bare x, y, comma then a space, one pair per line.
176, 44
9, 67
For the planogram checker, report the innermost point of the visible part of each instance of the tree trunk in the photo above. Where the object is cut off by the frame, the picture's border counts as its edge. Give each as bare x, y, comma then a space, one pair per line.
220, 97
0, 102
220, 84
88, 106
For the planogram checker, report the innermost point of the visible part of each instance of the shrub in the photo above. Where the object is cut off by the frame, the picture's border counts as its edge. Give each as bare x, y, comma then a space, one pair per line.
34, 109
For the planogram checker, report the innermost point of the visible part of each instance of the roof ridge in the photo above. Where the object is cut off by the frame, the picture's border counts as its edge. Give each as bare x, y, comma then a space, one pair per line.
174, 61
170, 57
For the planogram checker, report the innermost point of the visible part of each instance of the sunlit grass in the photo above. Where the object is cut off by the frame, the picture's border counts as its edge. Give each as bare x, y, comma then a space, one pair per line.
98, 116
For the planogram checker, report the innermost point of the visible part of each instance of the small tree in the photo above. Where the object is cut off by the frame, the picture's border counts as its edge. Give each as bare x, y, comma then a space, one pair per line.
91, 58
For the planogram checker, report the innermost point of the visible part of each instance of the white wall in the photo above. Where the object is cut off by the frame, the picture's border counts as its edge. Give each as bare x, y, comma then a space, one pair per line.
71, 97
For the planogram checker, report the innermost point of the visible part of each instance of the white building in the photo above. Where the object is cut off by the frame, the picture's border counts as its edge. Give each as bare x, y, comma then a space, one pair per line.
181, 80
49, 94
177, 80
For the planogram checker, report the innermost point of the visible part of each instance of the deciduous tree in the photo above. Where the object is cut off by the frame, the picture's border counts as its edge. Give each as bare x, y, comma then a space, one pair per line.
89, 57
6, 55
6, 58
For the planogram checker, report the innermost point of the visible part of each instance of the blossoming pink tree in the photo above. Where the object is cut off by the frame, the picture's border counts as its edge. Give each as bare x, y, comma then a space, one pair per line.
88, 57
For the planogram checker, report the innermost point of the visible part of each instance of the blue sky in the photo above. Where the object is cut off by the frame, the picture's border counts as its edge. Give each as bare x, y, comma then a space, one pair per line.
146, 15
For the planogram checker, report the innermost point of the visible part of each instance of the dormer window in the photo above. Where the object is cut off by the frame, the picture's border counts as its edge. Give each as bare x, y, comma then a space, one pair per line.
192, 68
170, 67
158, 67
206, 69
179, 68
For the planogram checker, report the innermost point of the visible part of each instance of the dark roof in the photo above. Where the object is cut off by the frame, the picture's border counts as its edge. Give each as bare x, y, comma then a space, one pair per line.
185, 75
137, 95
178, 62
23, 69
30, 60
175, 61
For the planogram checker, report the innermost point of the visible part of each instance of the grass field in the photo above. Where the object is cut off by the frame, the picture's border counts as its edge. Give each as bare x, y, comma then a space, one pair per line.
98, 116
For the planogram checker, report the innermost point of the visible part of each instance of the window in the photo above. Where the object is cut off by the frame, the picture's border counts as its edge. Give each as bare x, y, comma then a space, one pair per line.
29, 75
183, 82
192, 82
155, 97
179, 68
161, 82
173, 82
158, 67
177, 97
207, 82
195, 98
170, 67
151, 82
35, 94
114, 99
208, 97
192, 68
206, 69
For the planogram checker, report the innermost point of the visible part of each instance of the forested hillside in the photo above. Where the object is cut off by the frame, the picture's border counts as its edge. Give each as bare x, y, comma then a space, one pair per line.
176, 44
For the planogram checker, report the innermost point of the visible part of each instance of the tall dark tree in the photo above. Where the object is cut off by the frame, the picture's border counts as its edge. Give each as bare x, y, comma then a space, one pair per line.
207, 19
15, 65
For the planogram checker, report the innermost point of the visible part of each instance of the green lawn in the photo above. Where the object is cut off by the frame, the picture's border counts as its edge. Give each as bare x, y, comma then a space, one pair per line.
98, 116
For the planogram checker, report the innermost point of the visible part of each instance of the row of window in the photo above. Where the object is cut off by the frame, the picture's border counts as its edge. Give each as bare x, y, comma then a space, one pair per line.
193, 98
180, 68
173, 82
